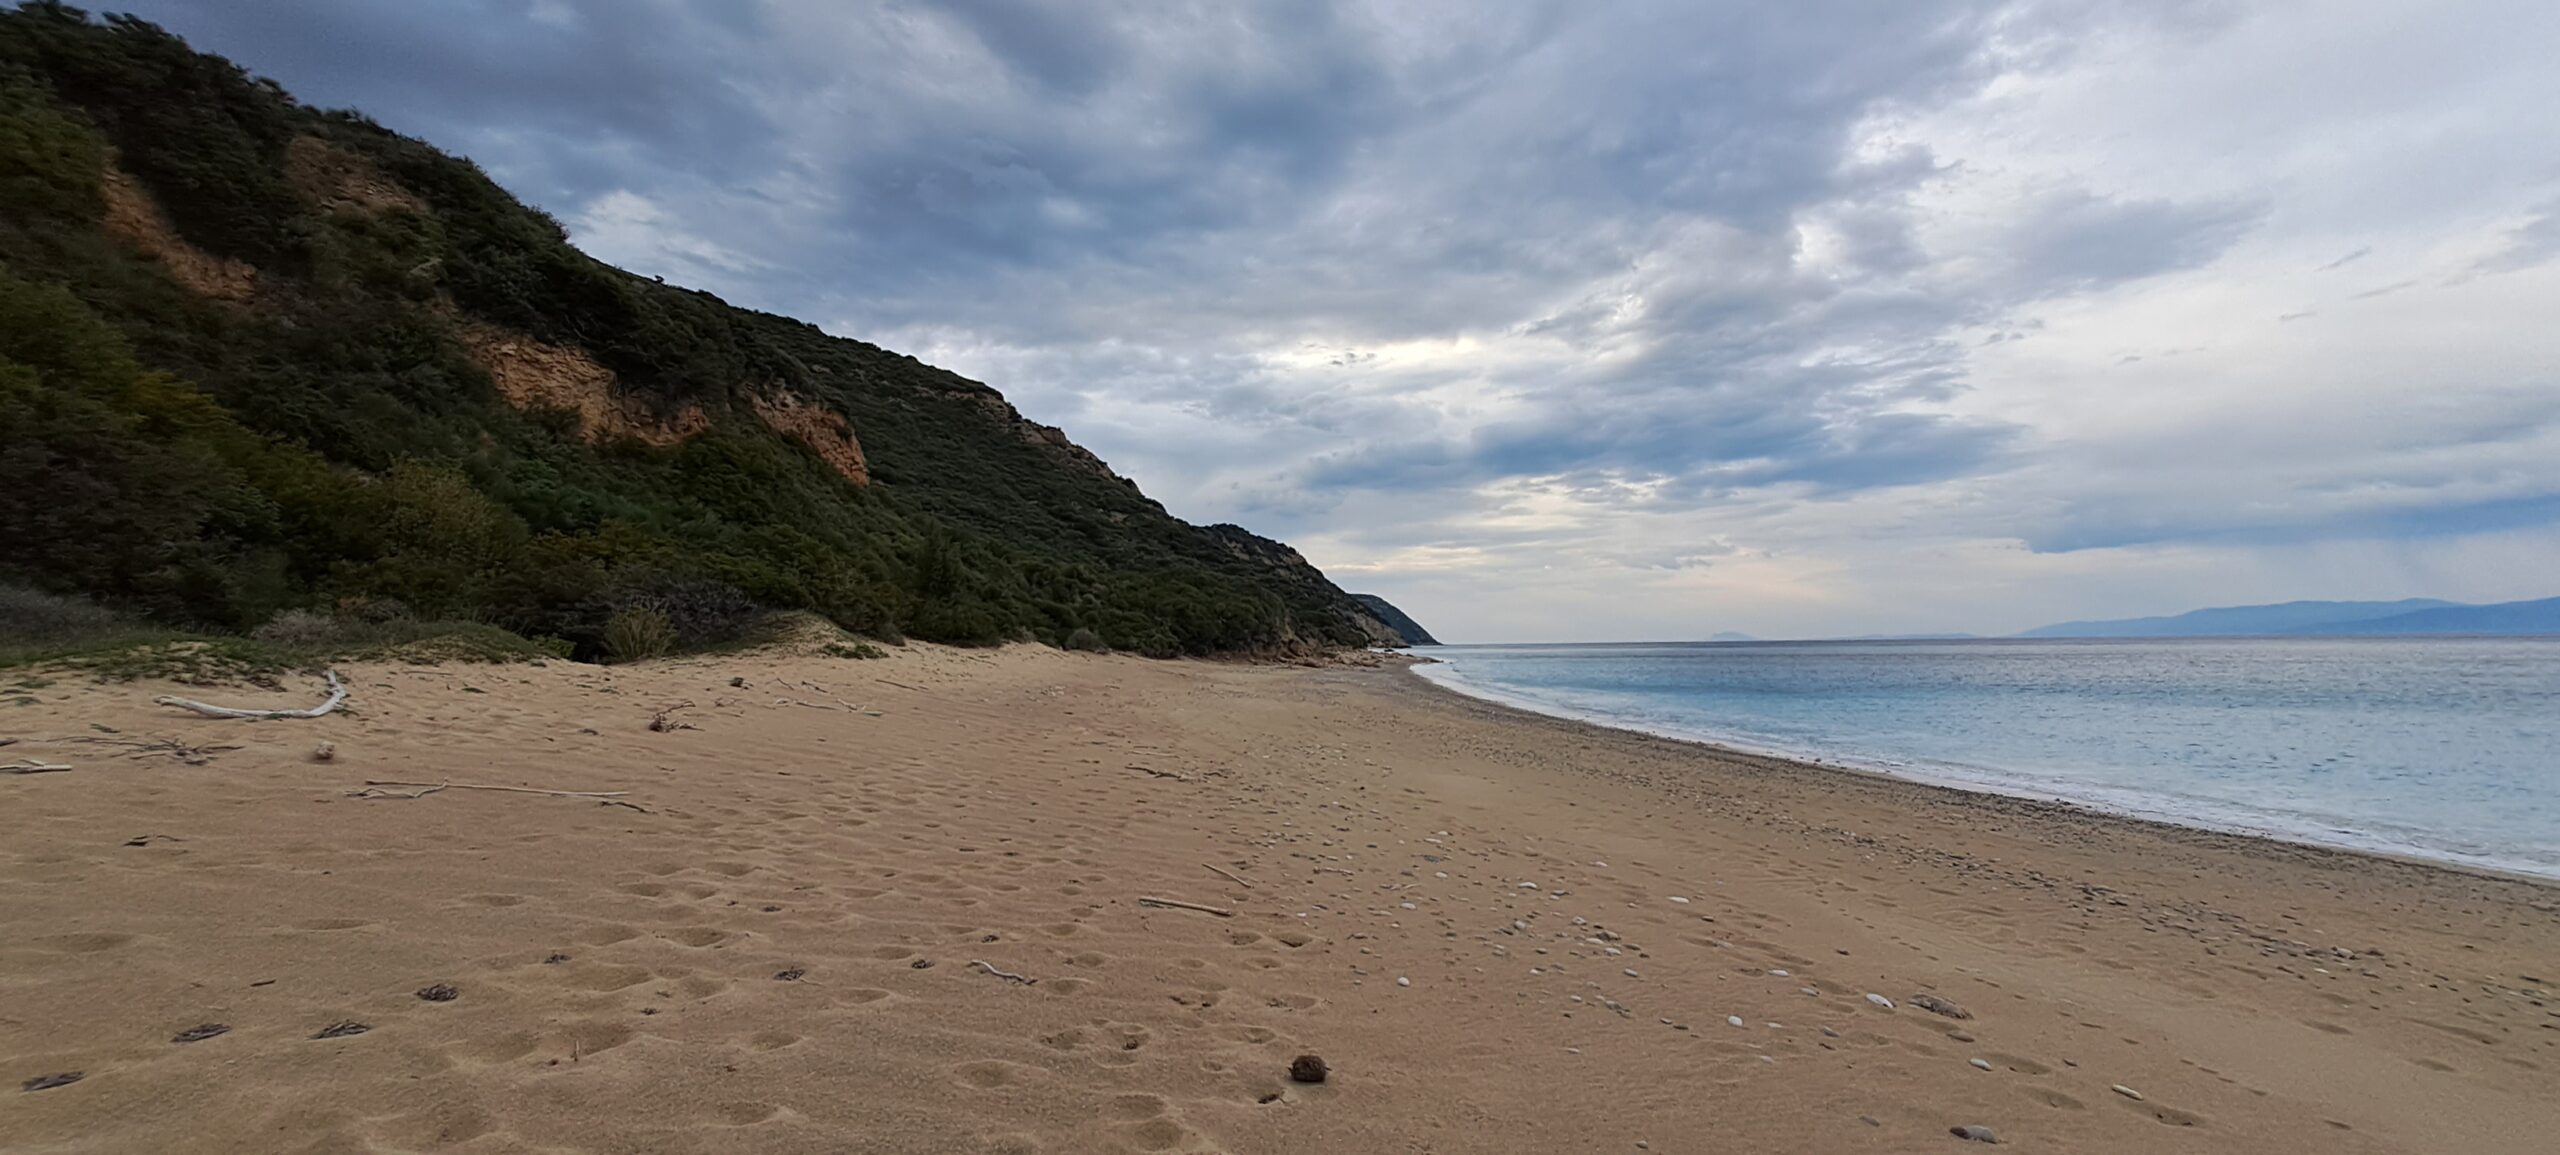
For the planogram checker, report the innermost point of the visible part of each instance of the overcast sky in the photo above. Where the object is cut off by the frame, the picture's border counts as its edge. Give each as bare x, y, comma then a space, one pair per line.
1595, 320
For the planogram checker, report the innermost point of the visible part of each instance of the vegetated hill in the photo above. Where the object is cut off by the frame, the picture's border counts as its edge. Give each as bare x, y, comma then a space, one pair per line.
2233, 621
1408, 631
256, 356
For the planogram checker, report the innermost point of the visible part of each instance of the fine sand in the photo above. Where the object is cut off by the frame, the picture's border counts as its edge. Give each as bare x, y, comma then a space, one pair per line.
1503, 933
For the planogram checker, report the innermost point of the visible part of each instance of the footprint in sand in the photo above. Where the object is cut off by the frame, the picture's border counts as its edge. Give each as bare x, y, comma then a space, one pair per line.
744, 1114
331, 924
606, 978
493, 899
1159, 1135
505, 1048
1132, 1108
443, 1125
991, 1074
587, 1037
607, 934
696, 936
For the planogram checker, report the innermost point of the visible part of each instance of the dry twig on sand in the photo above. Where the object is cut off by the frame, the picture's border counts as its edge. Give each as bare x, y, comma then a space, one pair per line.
1152, 772
665, 720
379, 788
990, 969
337, 698
1178, 904
31, 766
1230, 875
155, 747
901, 685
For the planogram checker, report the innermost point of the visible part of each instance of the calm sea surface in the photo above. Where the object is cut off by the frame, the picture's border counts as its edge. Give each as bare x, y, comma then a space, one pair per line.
2446, 748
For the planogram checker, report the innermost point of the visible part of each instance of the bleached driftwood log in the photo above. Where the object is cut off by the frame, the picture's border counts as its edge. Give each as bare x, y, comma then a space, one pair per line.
337, 698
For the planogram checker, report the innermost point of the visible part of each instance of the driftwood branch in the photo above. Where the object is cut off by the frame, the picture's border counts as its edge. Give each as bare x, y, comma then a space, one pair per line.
1178, 904
990, 969
374, 788
337, 698
1152, 772
1230, 876
902, 685
31, 766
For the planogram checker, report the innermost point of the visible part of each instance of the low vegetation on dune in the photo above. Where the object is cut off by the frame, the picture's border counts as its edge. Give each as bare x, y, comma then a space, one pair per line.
259, 358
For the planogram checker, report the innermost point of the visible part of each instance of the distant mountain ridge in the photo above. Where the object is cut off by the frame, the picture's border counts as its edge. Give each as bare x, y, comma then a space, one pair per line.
2330, 619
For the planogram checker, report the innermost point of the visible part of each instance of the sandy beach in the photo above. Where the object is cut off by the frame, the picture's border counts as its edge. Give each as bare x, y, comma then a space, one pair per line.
894, 906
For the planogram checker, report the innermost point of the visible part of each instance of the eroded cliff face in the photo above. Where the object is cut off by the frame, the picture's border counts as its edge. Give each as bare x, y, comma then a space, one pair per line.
535, 376
134, 218
823, 430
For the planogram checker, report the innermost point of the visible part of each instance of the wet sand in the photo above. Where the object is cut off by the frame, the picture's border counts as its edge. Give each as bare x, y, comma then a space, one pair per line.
1502, 932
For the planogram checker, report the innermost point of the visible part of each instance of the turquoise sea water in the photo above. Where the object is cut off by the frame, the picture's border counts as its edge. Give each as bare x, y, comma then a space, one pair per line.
2445, 748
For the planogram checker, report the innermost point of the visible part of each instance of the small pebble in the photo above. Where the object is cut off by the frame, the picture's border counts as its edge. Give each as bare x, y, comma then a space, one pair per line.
440, 993
1975, 1132
1733, 1020
1828, 1033
1403, 981
2127, 1092
1880, 1000
1680, 900
1980, 1063
1630, 972
1308, 1069
199, 1033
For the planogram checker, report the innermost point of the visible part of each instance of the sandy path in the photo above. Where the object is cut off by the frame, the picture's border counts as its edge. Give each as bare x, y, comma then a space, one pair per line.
742, 968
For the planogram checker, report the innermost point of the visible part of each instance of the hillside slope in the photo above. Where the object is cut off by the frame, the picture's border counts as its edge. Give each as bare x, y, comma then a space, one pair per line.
1408, 631
256, 356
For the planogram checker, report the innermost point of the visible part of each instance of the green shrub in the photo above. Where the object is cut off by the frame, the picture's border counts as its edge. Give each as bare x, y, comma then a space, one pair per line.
858, 650
1084, 639
301, 629
34, 617
636, 633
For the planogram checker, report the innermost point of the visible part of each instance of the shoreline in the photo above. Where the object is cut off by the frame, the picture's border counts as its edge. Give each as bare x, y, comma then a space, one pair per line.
1968, 793
2168, 817
896, 905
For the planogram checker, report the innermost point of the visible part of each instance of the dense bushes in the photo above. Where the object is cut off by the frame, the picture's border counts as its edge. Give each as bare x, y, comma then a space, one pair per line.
331, 445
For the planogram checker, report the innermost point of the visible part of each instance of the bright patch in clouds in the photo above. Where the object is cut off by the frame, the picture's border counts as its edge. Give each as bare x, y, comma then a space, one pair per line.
1636, 320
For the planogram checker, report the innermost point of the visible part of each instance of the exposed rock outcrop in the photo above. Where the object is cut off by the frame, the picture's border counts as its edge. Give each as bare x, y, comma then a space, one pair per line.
823, 430
1408, 631
536, 375
135, 219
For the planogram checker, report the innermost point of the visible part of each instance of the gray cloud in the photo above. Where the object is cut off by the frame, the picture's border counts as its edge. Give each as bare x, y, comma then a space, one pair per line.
1429, 284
